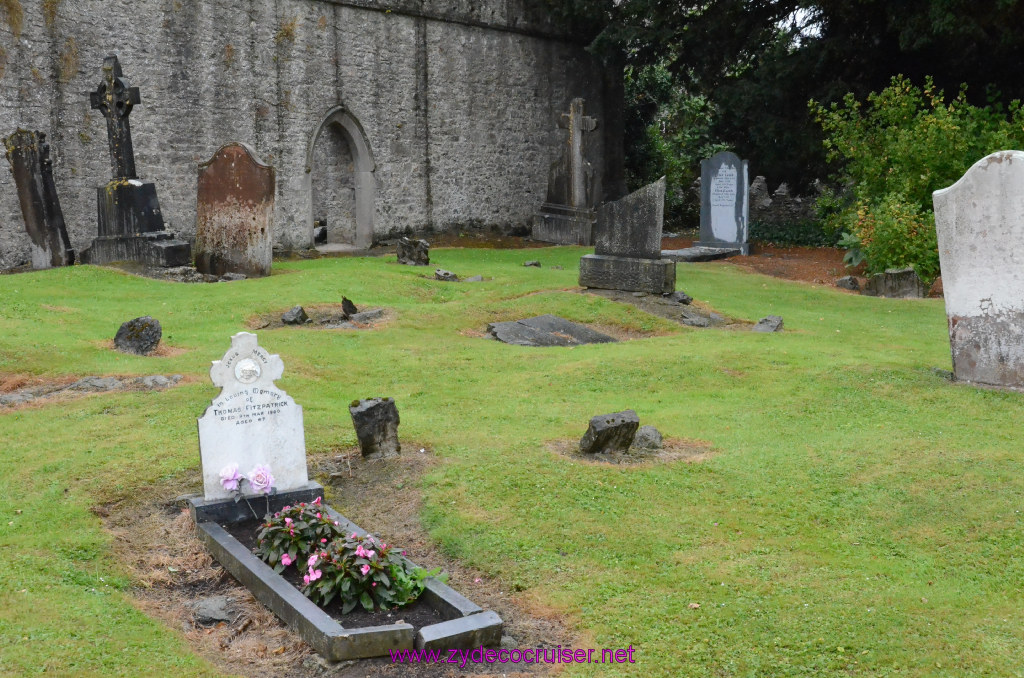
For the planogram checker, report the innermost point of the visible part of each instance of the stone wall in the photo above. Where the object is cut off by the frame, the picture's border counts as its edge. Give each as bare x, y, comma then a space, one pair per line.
456, 103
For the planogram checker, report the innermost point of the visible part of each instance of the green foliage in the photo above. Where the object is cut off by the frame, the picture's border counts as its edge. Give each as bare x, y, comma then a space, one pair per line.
905, 143
362, 571
804, 233
295, 531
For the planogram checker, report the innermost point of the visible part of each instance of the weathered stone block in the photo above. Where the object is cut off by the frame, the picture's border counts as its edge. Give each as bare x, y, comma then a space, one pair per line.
139, 336
610, 433
895, 283
413, 252
848, 282
771, 323
655, 276
647, 438
632, 226
477, 630
376, 422
296, 315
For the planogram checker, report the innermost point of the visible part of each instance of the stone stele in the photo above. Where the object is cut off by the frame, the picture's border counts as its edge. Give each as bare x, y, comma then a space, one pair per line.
979, 222
724, 202
235, 213
251, 422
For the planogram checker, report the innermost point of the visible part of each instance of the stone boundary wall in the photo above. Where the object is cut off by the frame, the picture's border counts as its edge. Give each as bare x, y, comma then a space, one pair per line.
457, 103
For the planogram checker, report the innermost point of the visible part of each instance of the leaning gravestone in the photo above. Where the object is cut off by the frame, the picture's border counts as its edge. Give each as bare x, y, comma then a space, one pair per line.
567, 216
131, 227
29, 155
235, 213
627, 251
252, 422
376, 422
979, 221
724, 202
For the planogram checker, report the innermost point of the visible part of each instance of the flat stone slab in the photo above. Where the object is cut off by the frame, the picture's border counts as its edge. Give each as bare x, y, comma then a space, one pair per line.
546, 330
698, 253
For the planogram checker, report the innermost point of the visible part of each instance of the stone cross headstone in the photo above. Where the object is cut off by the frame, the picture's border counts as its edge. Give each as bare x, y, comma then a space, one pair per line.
724, 202
130, 224
252, 421
235, 213
567, 217
979, 222
29, 156
627, 250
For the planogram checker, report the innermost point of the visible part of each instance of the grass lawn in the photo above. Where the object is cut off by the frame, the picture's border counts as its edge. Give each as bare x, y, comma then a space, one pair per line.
860, 516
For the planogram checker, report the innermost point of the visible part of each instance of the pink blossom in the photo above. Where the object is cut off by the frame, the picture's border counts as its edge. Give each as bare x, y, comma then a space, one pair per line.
369, 554
229, 477
324, 540
260, 479
318, 515
286, 508
335, 522
314, 575
354, 535
287, 521
312, 560
317, 502
286, 560
305, 580
373, 584
364, 569
360, 552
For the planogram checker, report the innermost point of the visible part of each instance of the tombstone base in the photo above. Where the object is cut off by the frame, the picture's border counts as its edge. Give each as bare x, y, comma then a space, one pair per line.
692, 254
564, 225
742, 247
128, 206
154, 249
43, 258
988, 349
654, 276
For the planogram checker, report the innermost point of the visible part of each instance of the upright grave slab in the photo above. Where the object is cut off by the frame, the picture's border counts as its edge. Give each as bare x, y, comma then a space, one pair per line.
567, 216
235, 213
29, 155
979, 221
724, 203
253, 424
627, 251
130, 225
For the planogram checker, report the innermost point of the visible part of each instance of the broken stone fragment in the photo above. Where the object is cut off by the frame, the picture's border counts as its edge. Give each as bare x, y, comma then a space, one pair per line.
138, 336
413, 252
647, 438
610, 433
446, 276
376, 423
295, 316
771, 323
848, 282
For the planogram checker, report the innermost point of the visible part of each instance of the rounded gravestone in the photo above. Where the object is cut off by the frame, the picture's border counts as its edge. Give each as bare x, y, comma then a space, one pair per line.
139, 336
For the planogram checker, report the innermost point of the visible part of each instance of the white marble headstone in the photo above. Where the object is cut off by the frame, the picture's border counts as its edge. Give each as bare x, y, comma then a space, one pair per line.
724, 201
251, 422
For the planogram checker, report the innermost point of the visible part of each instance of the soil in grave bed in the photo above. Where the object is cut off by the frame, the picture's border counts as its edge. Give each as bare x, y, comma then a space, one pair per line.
418, 613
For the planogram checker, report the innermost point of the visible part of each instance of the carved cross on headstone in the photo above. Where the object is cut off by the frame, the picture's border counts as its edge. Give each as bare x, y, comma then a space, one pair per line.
114, 99
577, 123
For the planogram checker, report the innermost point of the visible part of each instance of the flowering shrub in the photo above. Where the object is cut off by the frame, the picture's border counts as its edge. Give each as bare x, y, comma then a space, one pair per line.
295, 532
363, 571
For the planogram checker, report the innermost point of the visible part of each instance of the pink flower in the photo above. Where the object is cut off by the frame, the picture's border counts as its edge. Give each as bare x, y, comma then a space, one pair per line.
287, 521
373, 584
260, 479
318, 515
369, 554
360, 552
317, 502
229, 477
353, 536
312, 560
305, 580
335, 522
364, 569
324, 540
286, 560
314, 575
286, 508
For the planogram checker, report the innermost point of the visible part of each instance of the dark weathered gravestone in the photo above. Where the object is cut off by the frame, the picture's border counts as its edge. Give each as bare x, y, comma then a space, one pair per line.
627, 248
724, 202
896, 283
413, 252
131, 227
610, 433
770, 323
546, 330
235, 213
296, 315
376, 423
979, 222
567, 217
139, 336
29, 155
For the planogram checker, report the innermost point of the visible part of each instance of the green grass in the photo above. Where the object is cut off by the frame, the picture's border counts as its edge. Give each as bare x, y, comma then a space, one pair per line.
861, 515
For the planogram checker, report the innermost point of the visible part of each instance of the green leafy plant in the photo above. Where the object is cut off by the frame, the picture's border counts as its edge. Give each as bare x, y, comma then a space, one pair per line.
294, 533
363, 571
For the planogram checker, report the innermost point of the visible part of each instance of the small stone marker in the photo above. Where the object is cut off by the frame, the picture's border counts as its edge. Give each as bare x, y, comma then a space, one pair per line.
610, 433
131, 227
139, 336
895, 283
567, 216
546, 330
979, 221
296, 315
724, 202
376, 423
447, 276
532, 262
29, 156
235, 213
413, 252
771, 323
252, 421
848, 282
627, 249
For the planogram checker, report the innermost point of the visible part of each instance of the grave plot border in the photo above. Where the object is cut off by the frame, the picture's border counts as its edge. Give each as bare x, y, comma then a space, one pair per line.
467, 625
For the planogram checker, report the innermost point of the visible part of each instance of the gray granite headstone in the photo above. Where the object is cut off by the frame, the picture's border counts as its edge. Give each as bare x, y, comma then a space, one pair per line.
628, 245
724, 202
979, 221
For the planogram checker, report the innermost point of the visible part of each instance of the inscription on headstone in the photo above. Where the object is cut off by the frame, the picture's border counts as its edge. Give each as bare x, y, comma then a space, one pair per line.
235, 213
252, 421
29, 155
979, 222
724, 208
